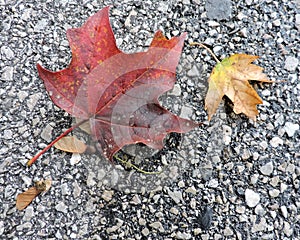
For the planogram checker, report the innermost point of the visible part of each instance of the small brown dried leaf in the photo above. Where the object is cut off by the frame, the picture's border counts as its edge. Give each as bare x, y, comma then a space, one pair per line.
25, 198
71, 144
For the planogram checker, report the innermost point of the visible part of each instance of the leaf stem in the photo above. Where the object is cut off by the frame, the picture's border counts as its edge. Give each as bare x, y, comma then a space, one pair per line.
210, 51
135, 167
32, 160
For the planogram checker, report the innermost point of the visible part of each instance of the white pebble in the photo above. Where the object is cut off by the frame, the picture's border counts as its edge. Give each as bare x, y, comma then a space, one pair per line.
276, 141
267, 169
290, 128
252, 198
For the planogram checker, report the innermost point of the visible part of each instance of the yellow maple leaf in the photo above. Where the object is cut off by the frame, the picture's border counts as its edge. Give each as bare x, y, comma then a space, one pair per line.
230, 77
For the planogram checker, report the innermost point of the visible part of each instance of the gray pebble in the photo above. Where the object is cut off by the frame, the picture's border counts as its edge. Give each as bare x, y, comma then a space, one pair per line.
145, 231
193, 72
7, 52
32, 101
64, 189
258, 227
186, 112
41, 25
259, 210
7, 73
276, 22
29, 213
180, 235
290, 128
90, 179
218, 9
47, 133
76, 189
205, 218
274, 193
291, 63
284, 211
175, 195
157, 225
176, 91
107, 195
267, 169
276, 141
252, 198
288, 231
7, 134
1, 227
228, 231
61, 207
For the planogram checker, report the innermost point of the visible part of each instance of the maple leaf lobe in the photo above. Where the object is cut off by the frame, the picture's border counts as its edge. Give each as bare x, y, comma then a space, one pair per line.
118, 92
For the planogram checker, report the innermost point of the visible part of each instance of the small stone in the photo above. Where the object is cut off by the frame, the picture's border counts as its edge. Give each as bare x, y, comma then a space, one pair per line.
41, 25
276, 141
1, 227
227, 132
218, 9
174, 210
194, 72
107, 195
32, 101
191, 190
228, 231
64, 189
205, 218
284, 211
254, 179
197, 231
163, 6
290, 168
90, 179
176, 91
259, 210
76, 157
252, 198
158, 226
142, 221
29, 213
267, 169
260, 226
61, 207
7, 134
7, 52
288, 231
274, 193
213, 183
186, 112
274, 181
145, 231
291, 63
176, 196
276, 22
283, 187
290, 128
135, 200
47, 133
240, 209
76, 189
7, 74
184, 236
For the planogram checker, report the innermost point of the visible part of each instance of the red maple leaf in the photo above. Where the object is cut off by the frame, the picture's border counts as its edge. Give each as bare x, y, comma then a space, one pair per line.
117, 92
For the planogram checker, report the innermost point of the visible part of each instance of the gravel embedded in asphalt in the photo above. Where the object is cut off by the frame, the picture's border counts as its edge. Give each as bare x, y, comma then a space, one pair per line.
246, 172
